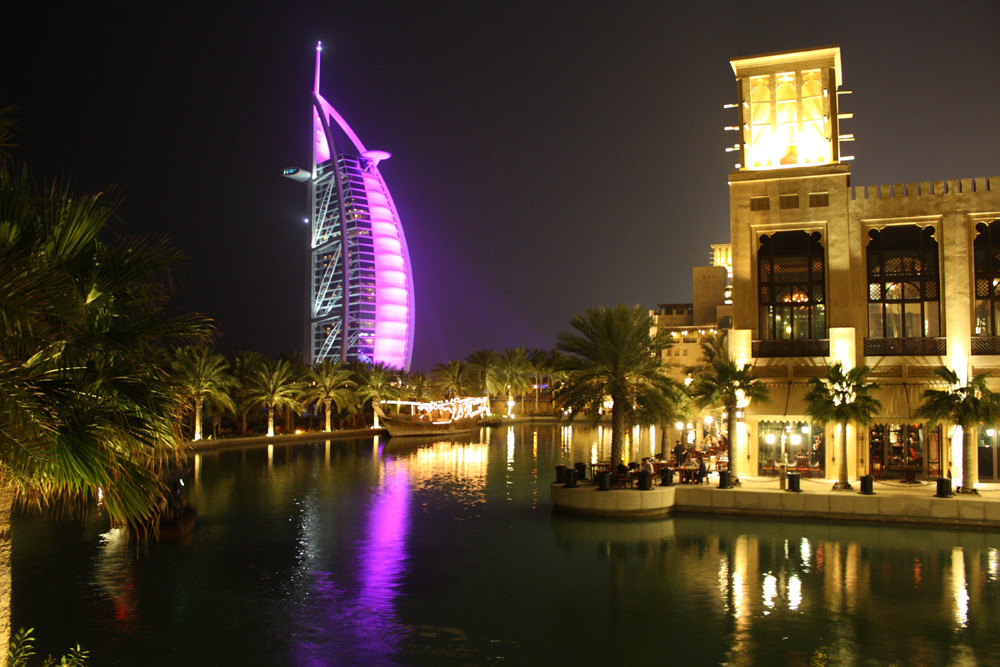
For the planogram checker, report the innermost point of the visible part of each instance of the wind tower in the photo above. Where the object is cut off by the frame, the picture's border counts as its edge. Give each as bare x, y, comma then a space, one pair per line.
360, 299
789, 206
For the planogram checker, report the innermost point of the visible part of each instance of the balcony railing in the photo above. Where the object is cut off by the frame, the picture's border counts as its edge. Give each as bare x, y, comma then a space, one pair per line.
803, 347
986, 345
895, 347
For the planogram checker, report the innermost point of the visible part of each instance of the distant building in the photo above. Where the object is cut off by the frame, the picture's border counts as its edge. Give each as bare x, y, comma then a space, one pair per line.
360, 299
689, 324
904, 278
710, 312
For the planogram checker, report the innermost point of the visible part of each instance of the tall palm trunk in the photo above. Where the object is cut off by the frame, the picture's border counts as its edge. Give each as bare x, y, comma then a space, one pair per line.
730, 440
619, 424
270, 421
198, 404
326, 411
842, 482
6, 502
970, 462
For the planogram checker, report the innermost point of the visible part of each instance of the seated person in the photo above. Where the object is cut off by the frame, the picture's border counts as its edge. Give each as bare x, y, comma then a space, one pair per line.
702, 470
647, 464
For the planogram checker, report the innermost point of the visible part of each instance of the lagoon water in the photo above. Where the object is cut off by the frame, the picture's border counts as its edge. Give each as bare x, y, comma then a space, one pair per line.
448, 553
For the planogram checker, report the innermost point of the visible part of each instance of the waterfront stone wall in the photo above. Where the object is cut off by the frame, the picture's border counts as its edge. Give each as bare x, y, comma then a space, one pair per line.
918, 507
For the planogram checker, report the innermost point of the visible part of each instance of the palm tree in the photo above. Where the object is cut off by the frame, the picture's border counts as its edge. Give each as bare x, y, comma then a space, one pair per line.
842, 398
300, 376
245, 367
713, 346
966, 406
513, 372
612, 355
85, 403
483, 366
724, 383
377, 383
416, 386
203, 375
452, 379
330, 384
541, 362
86, 407
274, 386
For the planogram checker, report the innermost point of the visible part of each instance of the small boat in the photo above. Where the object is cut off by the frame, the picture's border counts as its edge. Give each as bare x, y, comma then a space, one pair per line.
457, 415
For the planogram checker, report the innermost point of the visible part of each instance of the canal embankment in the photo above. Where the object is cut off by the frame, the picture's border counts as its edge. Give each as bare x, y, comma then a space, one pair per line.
758, 497
208, 444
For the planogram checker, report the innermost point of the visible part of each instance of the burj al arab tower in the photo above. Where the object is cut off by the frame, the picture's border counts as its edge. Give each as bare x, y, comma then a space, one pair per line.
360, 305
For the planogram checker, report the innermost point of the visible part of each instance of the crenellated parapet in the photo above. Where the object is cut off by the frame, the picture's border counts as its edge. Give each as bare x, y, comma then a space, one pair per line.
960, 186
926, 201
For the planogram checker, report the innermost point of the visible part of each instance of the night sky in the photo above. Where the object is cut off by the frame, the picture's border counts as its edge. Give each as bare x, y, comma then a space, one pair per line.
547, 157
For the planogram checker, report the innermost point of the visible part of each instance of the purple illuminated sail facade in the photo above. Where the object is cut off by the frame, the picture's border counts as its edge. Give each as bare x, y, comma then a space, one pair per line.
361, 284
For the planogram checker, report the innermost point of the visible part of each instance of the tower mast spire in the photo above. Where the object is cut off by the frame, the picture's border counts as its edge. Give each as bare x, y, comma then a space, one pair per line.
319, 49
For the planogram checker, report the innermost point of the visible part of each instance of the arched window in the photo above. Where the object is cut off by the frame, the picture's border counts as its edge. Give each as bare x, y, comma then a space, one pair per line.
987, 274
903, 285
791, 286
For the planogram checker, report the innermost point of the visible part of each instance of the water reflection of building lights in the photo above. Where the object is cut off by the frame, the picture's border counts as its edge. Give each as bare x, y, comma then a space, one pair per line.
770, 591
566, 434
737, 594
741, 571
724, 580
959, 587
794, 592
450, 453
805, 552
510, 447
382, 557
992, 564
114, 571
534, 444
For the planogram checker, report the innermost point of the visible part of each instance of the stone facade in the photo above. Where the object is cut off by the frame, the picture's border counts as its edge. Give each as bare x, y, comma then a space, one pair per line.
824, 271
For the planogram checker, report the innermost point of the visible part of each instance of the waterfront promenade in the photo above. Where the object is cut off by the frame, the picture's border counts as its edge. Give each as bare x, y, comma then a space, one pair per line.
340, 434
208, 444
892, 502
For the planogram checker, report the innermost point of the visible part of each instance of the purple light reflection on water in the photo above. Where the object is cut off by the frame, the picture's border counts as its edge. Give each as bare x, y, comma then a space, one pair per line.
359, 622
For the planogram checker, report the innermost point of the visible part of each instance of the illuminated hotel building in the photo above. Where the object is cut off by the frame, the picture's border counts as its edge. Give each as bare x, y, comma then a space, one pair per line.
360, 300
903, 278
